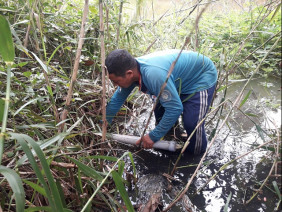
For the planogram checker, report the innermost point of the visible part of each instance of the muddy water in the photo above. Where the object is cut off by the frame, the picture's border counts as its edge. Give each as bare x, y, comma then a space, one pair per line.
242, 178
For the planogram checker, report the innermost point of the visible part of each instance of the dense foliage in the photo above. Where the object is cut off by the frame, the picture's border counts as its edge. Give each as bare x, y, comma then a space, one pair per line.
61, 169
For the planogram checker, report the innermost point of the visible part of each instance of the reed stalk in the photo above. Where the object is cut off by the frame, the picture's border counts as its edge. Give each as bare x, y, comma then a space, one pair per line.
102, 43
6, 109
76, 65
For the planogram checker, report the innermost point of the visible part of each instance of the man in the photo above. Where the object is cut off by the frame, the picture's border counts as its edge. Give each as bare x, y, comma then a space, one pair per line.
189, 90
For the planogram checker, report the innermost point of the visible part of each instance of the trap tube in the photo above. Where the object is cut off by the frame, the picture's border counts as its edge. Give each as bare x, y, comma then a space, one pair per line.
129, 139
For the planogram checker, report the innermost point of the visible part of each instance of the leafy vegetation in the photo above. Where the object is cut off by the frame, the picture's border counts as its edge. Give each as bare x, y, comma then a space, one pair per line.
72, 169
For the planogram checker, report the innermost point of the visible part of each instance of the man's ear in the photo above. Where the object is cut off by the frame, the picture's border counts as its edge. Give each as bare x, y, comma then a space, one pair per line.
129, 73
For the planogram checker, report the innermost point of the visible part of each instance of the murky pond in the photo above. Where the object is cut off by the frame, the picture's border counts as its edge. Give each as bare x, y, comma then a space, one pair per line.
241, 134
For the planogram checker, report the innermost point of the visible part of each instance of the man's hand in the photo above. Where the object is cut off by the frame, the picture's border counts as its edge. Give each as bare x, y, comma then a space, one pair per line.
146, 142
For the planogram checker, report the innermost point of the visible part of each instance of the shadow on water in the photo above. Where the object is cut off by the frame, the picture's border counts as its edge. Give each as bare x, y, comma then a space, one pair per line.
243, 177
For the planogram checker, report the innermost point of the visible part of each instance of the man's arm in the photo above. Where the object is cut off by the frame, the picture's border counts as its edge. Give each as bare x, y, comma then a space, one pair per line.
169, 99
117, 101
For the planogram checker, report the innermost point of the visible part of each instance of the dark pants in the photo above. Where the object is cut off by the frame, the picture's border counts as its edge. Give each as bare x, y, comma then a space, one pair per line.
195, 108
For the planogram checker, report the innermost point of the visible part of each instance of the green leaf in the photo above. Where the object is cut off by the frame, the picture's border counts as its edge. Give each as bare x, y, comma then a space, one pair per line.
123, 193
27, 74
51, 190
41, 63
54, 52
260, 131
48, 174
60, 189
110, 158
121, 165
45, 143
251, 114
222, 88
87, 170
22, 64
7, 49
50, 90
245, 99
276, 11
36, 209
277, 189
36, 187
132, 163
16, 185
101, 184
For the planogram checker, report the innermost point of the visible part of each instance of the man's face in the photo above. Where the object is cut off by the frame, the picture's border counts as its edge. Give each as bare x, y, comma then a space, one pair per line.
123, 82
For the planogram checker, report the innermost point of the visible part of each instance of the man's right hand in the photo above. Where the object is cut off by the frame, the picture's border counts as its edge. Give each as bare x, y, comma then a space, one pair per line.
147, 142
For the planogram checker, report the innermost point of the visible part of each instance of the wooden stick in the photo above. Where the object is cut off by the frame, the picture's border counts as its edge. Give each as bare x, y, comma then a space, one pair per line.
76, 65
104, 127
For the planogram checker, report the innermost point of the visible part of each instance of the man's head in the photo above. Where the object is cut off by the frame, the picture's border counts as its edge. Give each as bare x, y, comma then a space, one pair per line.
121, 65
119, 61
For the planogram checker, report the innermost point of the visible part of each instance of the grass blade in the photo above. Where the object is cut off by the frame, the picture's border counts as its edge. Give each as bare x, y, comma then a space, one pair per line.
52, 193
49, 176
16, 185
36, 187
245, 99
123, 193
121, 167
227, 202
41, 63
132, 163
52, 55
29, 102
35, 167
274, 183
87, 170
36, 209
43, 145
102, 183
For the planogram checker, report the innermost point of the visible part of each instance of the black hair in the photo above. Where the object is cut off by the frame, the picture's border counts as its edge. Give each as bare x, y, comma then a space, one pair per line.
119, 61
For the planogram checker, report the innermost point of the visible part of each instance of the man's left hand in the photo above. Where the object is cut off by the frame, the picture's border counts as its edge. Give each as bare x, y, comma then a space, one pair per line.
146, 142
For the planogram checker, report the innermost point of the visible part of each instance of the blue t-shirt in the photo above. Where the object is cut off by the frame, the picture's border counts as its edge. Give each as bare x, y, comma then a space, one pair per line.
193, 72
